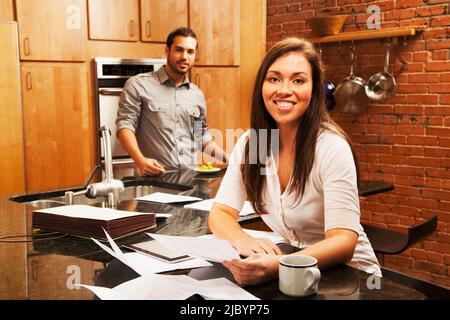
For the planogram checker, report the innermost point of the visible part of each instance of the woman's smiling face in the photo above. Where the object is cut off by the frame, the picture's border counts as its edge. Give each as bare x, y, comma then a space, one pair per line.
287, 89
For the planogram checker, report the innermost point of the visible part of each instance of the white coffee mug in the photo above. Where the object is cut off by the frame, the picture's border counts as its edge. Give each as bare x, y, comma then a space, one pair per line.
298, 275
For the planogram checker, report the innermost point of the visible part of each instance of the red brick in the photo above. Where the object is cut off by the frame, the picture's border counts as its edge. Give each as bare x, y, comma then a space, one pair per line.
437, 44
437, 66
436, 246
421, 56
437, 111
445, 78
423, 162
441, 21
410, 109
419, 254
444, 99
409, 211
424, 78
392, 139
435, 194
437, 152
431, 10
436, 131
421, 140
433, 183
408, 88
409, 130
431, 267
440, 55
439, 88
408, 150
409, 3
422, 99
423, 203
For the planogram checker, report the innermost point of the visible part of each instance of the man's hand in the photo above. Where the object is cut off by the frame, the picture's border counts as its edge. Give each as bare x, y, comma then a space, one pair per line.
150, 167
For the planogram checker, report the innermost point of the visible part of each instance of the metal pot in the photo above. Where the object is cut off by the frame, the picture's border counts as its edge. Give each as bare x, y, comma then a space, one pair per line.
381, 85
350, 94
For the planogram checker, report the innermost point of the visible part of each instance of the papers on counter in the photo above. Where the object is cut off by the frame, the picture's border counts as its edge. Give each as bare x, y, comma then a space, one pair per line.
206, 205
145, 265
212, 249
272, 236
162, 197
172, 287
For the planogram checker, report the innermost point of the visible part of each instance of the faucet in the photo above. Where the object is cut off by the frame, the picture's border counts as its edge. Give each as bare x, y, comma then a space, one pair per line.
109, 187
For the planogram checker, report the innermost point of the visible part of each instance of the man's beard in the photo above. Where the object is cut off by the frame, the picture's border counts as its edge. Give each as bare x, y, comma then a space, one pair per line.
175, 69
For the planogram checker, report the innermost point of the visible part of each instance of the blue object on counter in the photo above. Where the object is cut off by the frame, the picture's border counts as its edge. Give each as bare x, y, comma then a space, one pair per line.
329, 95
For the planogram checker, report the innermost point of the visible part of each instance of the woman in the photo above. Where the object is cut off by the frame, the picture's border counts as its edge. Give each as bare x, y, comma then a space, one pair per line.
307, 189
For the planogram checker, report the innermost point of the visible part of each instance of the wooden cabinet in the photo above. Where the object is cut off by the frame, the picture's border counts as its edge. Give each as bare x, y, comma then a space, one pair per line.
159, 18
114, 20
222, 94
217, 25
53, 277
6, 10
52, 30
12, 179
59, 143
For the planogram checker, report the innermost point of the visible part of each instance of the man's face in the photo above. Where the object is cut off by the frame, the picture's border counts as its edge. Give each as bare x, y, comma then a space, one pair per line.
181, 55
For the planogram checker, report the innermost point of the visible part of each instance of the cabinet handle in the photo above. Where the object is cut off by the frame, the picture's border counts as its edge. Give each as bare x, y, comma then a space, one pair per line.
34, 270
148, 29
29, 81
132, 28
26, 46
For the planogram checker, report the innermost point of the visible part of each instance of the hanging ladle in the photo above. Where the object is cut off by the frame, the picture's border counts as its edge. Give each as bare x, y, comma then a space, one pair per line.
381, 85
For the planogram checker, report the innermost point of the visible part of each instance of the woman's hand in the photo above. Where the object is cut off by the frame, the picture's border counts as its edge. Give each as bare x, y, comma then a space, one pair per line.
255, 269
248, 246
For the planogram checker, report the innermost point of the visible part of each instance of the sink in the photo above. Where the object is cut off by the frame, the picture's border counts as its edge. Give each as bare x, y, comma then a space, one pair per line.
133, 189
45, 203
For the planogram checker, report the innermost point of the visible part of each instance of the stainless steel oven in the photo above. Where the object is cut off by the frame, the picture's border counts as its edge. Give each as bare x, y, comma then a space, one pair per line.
110, 77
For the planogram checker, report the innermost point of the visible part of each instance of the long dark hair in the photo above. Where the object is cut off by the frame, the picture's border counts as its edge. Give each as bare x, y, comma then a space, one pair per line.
314, 120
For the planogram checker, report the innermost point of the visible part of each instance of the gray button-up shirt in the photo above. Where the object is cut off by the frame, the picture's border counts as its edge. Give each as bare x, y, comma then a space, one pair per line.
169, 122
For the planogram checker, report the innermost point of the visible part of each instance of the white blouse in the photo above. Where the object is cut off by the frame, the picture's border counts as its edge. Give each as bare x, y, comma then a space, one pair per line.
330, 199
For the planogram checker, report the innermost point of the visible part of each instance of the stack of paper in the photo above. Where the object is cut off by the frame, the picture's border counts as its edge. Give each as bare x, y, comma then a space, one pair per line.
162, 197
206, 205
90, 221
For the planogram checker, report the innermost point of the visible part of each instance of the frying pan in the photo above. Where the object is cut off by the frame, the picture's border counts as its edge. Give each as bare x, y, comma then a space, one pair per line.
350, 94
381, 85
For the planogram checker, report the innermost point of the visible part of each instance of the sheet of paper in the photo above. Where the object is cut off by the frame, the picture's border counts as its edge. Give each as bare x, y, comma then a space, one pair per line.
90, 212
162, 197
207, 248
172, 287
206, 205
143, 264
272, 236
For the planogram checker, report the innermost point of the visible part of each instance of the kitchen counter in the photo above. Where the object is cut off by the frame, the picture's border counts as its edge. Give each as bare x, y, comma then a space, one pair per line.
48, 264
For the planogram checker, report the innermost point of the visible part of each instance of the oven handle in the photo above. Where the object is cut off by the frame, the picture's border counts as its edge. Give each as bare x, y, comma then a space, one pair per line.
110, 91
122, 161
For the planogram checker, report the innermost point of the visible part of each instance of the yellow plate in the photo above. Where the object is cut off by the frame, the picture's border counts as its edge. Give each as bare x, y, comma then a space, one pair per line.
213, 170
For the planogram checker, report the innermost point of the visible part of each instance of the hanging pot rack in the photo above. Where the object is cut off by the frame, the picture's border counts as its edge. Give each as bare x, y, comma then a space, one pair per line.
368, 34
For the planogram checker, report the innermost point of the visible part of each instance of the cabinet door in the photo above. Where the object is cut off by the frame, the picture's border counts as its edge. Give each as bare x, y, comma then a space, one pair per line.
57, 126
12, 177
159, 18
221, 89
114, 20
217, 25
53, 277
52, 30
6, 10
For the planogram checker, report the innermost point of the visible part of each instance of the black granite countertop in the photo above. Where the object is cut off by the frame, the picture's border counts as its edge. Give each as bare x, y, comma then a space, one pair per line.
48, 264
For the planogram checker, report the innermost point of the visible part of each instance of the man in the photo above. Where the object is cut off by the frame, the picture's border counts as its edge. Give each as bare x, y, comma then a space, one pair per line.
161, 121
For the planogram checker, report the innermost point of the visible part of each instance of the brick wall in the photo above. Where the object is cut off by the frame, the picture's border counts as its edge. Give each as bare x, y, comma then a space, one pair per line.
405, 139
